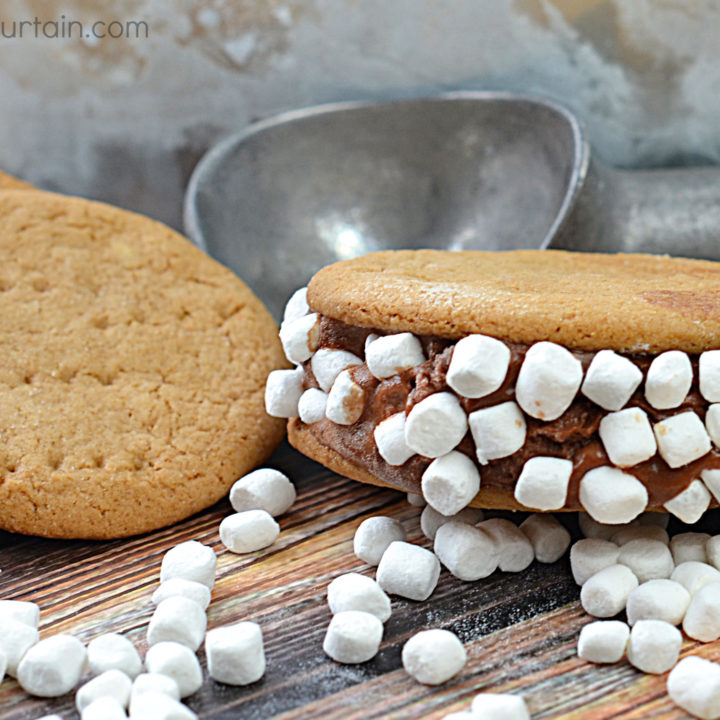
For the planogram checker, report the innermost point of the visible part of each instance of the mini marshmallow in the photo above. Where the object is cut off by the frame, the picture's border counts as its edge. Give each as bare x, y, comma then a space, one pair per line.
548, 381
689, 546
611, 496
346, 400
103, 708
654, 646
353, 591
694, 685
668, 380
478, 366
177, 619
112, 683
327, 364
498, 431
415, 499
300, 337
605, 594
712, 550
3, 664
641, 532
155, 682
409, 571
515, 552
593, 529
263, 489
374, 535
372, 337
52, 667
648, 559
431, 519
312, 405
20, 611
16, 638
195, 591
611, 380
190, 560
389, 438
543, 483
693, 575
248, 531
235, 653
391, 354
627, 437
548, 537
450, 482
702, 619
603, 641
115, 652
711, 478
712, 423
709, 372
691, 503
659, 599
461, 715
433, 656
589, 556
681, 439
467, 552
158, 706
353, 637
283, 389
296, 306
435, 425
178, 662
499, 706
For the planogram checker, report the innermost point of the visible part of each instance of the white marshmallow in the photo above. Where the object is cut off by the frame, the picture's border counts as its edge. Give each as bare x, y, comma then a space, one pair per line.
300, 337
659, 599
114, 652
20, 611
702, 619
711, 478
415, 499
605, 594
543, 483
311, 405
712, 550
648, 559
283, 389
668, 379
712, 423
435, 425
390, 440
409, 571
499, 706
103, 708
374, 535
353, 637
113, 683
693, 575
431, 519
641, 532
52, 667
689, 546
296, 306
327, 364
450, 482
248, 531
603, 641
391, 354
548, 537
433, 656
190, 560
548, 381
16, 638
694, 685
611, 380
235, 653
691, 503
478, 366
654, 646
177, 619
709, 372
263, 489
178, 662
461, 715
155, 682
593, 529
346, 400
3, 663
467, 552
611, 496
153, 705
498, 431
681, 439
372, 337
651, 517
353, 591
589, 556
195, 591
515, 552
627, 437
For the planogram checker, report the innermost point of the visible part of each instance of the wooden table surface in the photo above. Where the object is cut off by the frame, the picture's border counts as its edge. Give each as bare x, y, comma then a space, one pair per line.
520, 630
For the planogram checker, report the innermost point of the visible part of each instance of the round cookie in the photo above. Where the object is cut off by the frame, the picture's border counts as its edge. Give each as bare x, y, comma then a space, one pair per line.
132, 380
9, 182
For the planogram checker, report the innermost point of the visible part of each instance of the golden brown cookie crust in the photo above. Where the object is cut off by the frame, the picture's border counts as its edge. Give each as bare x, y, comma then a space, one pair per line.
133, 372
583, 301
9, 182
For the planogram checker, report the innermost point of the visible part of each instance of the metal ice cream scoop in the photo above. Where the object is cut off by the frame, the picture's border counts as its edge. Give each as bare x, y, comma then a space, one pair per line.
467, 170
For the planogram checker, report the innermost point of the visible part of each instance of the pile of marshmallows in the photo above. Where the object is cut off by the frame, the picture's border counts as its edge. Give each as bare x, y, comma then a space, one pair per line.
549, 379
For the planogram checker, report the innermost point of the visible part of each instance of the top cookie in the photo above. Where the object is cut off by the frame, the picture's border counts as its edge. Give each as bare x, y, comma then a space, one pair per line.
584, 301
8, 182
132, 375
